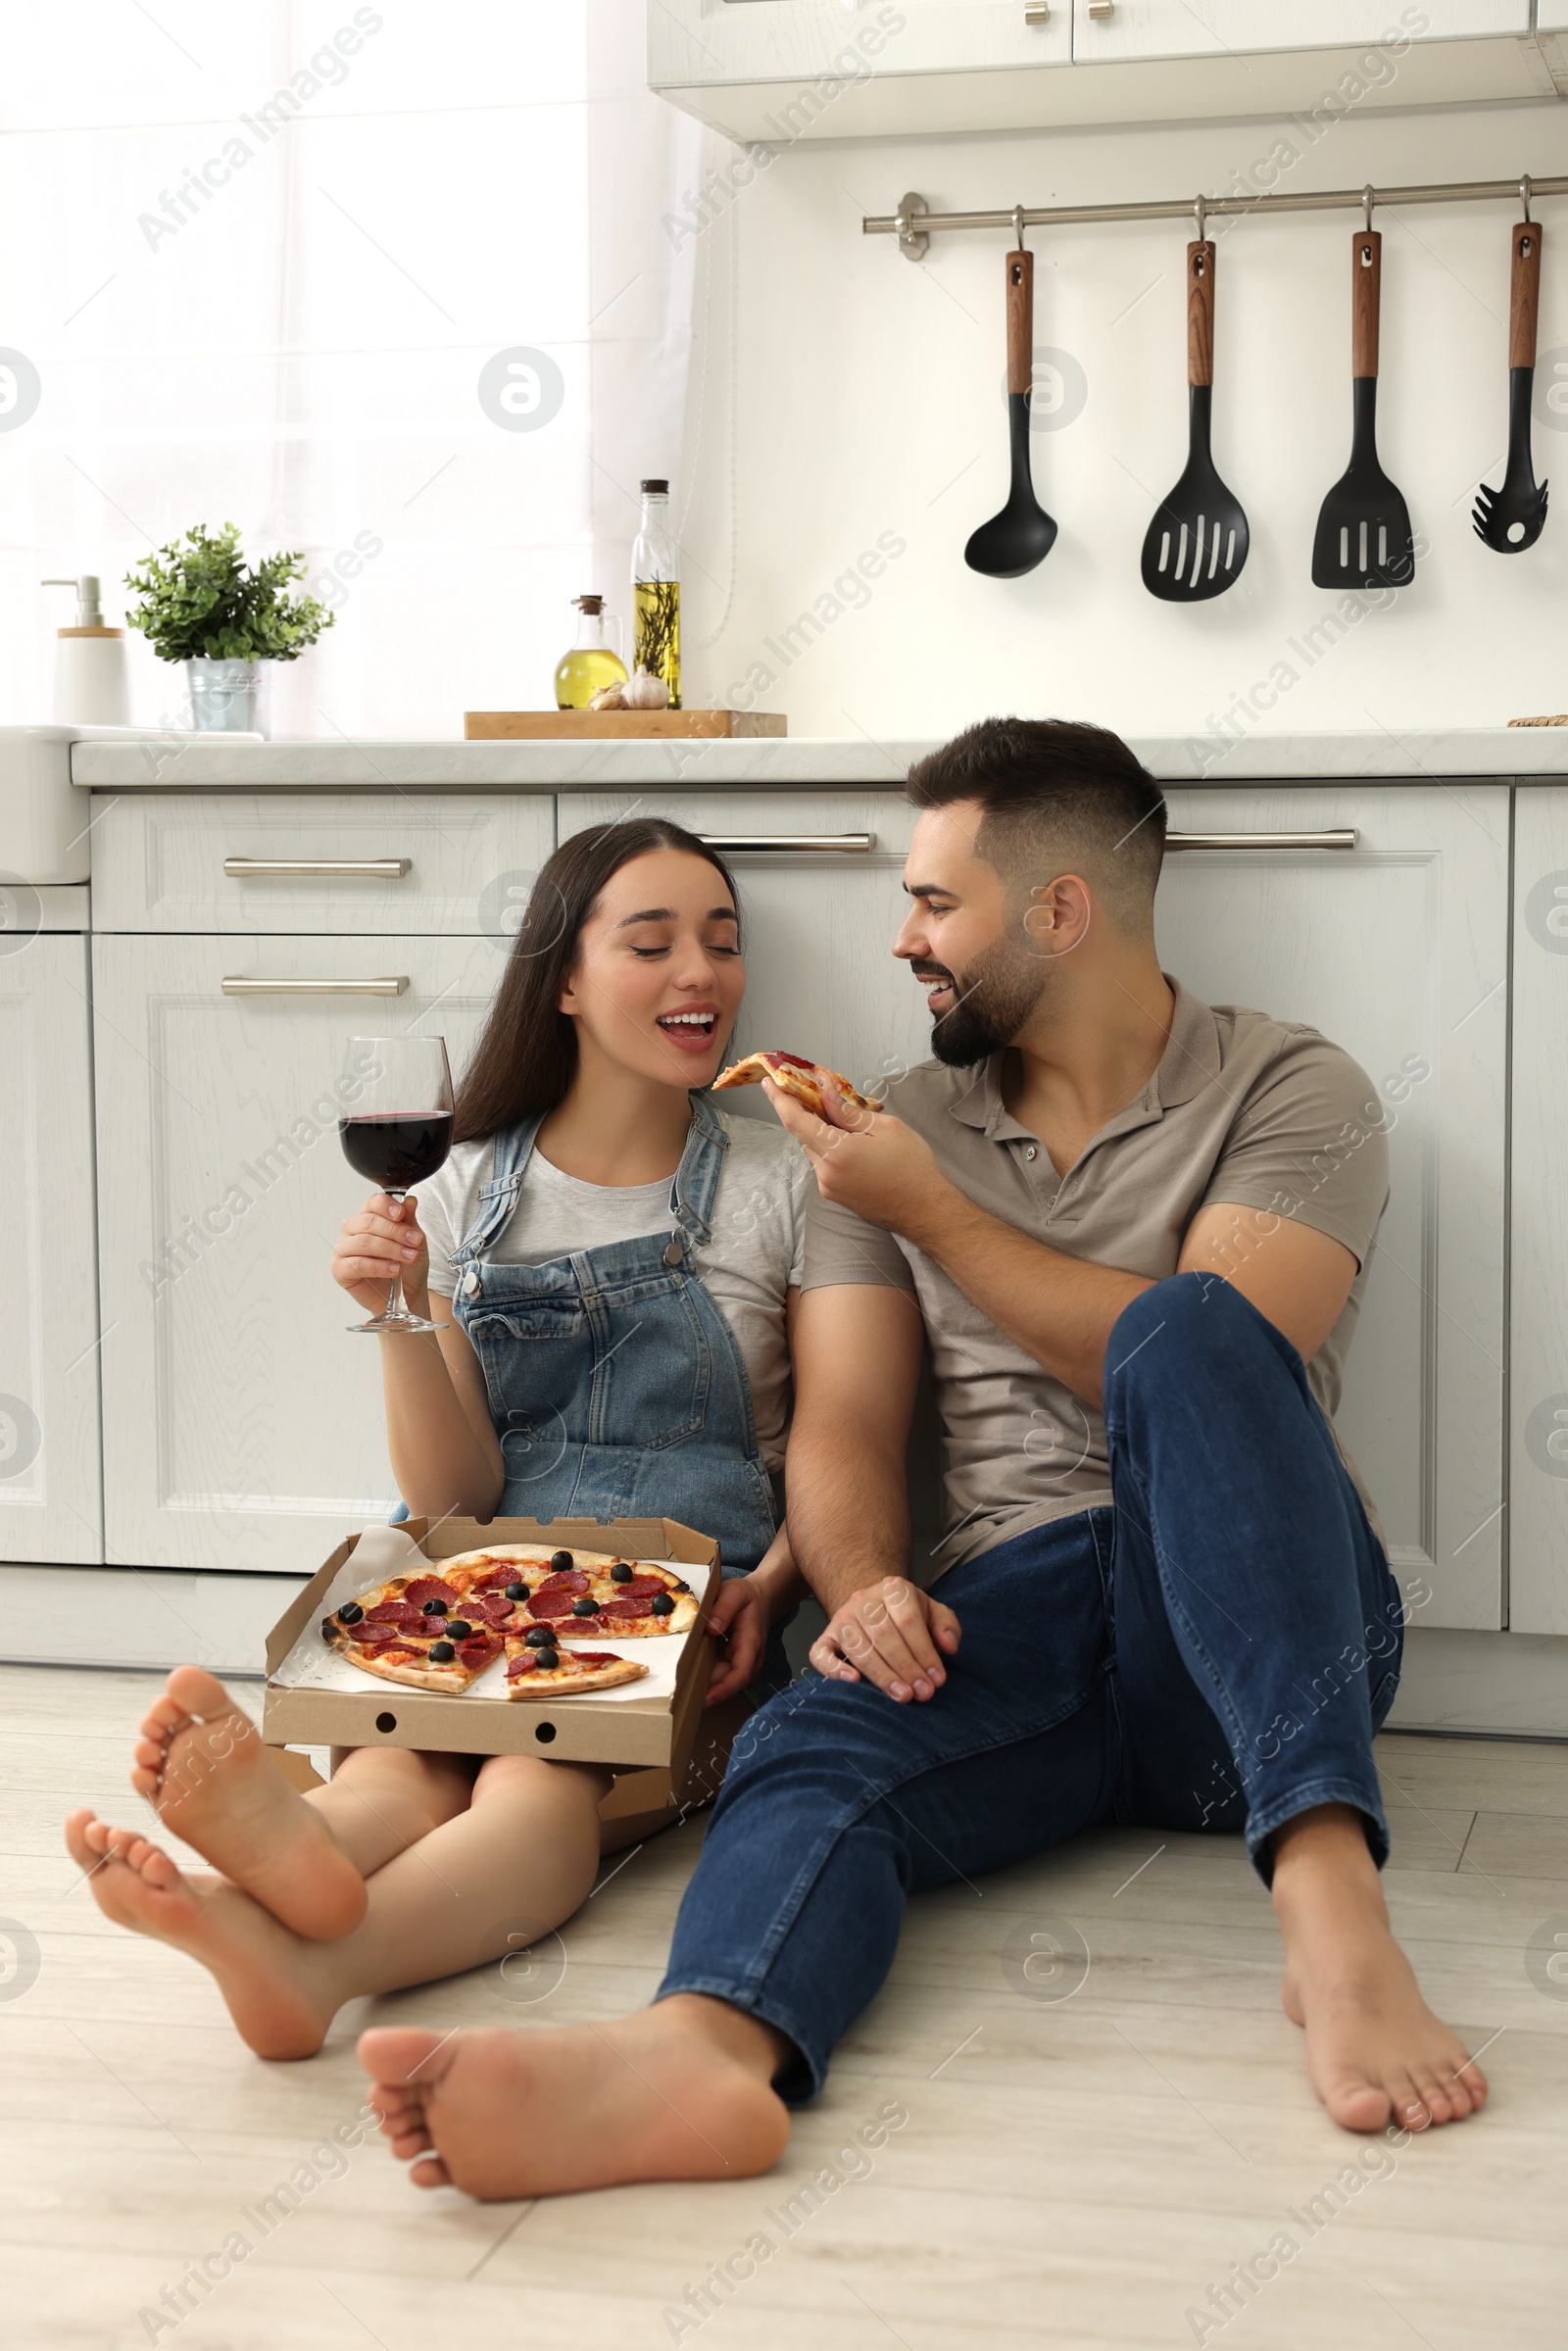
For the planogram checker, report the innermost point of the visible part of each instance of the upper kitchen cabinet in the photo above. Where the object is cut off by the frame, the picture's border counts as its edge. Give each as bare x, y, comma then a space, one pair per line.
777, 70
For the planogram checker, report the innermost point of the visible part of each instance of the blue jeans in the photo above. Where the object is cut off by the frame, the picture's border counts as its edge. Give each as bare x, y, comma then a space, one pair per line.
1215, 1653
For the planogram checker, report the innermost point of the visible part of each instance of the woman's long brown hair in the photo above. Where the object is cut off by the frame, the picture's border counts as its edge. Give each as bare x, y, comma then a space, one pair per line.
526, 1056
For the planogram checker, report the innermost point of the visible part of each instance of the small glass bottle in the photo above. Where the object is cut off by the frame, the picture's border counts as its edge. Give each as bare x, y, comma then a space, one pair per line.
656, 592
594, 660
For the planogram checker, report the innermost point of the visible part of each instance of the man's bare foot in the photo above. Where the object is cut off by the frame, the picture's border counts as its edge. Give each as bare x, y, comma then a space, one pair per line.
261, 1968
682, 2091
200, 1764
1375, 2052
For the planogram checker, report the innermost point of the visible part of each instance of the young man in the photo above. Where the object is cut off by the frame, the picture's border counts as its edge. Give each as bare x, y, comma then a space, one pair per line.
1138, 1230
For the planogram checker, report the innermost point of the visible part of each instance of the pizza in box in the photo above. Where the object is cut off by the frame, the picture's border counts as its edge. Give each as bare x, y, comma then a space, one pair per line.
441, 1628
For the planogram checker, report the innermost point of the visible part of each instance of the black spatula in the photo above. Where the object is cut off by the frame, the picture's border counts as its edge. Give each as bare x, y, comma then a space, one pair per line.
1363, 529
1197, 544
1512, 517
1023, 534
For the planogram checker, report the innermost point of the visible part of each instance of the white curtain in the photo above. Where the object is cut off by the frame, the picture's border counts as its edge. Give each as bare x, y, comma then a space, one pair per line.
385, 282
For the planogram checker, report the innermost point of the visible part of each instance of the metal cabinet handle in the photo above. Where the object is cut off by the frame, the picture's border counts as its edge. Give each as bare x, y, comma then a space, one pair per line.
835, 844
368, 869
1338, 840
1037, 11
388, 986
1100, 10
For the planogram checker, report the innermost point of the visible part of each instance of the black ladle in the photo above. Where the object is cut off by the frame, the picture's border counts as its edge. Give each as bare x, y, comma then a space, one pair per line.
1023, 534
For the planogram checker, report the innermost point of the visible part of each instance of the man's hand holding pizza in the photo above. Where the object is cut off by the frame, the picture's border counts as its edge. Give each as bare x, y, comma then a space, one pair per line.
876, 1166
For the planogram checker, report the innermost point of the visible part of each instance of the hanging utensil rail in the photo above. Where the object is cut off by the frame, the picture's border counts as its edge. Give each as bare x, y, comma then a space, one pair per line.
913, 222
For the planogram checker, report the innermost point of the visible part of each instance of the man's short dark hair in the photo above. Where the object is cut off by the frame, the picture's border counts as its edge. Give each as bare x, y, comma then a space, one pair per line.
1059, 796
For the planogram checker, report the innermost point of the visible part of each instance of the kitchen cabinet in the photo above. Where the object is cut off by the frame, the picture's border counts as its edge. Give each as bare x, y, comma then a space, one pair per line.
380, 861
50, 1497
776, 70
1397, 948
1129, 29
1399, 951
1537, 1393
242, 1422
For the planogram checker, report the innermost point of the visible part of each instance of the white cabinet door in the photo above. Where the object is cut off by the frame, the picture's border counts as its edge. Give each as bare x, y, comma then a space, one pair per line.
695, 42
1130, 29
817, 924
50, 1509
1538, 1384
376, 861
1397, 951
242, 1422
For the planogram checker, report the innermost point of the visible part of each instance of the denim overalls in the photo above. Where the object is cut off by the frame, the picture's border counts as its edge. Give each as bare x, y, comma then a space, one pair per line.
616, 1385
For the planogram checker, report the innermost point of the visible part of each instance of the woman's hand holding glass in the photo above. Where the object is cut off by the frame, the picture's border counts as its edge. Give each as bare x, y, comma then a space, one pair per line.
382, 1239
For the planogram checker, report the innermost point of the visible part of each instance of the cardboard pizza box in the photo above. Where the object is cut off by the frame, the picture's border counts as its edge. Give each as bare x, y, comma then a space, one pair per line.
623, 1727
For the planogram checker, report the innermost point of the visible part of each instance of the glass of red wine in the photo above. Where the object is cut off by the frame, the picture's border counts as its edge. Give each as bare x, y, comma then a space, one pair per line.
398, 1135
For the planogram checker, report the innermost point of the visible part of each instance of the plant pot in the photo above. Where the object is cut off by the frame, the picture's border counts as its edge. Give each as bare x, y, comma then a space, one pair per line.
229, 697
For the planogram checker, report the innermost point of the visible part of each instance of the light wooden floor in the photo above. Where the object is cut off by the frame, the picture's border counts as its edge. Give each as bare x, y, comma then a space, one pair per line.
1072, 2173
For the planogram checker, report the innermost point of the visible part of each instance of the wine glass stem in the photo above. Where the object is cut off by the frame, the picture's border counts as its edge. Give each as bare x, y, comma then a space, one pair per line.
394, 1296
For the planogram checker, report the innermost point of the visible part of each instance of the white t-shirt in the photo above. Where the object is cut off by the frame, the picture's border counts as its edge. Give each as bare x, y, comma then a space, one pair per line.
754, 1255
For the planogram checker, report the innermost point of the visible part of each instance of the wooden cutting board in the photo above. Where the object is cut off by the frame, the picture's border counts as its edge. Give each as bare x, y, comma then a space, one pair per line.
581, 726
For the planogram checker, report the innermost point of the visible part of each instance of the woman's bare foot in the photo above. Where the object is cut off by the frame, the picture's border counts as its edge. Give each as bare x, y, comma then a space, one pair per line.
681, 2091
200, 1764
261, 1968
1375, 2052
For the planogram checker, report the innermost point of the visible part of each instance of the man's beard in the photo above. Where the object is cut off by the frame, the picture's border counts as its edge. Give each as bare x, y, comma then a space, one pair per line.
994, 998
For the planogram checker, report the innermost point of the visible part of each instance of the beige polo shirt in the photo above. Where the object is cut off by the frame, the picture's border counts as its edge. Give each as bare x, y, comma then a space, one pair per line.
1266, 1113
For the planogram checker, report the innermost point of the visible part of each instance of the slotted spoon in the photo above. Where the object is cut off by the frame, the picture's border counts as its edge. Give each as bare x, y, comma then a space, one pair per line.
1363, 527
1512, 517
1197, 544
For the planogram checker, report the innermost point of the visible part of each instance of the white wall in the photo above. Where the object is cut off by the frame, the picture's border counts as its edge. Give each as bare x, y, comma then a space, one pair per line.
869, 399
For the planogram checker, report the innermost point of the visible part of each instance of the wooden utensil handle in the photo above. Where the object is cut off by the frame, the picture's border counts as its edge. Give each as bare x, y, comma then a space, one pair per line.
1366, 264
1524, 294
1020, 320
1201, 313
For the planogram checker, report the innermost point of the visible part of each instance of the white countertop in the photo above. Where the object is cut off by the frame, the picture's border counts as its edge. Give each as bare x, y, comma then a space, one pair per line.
163, 764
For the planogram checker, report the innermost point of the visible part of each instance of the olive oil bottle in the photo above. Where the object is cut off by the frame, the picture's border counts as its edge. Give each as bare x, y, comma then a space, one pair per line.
656, 592
593, 661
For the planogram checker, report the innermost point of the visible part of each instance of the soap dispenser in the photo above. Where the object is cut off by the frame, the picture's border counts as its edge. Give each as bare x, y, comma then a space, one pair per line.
90, 680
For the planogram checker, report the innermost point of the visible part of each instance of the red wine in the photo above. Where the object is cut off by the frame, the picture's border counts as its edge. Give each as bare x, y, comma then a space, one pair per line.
397, 1148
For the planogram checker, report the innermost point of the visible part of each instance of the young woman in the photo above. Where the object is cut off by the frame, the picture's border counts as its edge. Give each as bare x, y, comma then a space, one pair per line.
613, 1263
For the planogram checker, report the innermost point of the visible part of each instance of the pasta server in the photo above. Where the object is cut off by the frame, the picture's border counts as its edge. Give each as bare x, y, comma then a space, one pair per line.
1512, 517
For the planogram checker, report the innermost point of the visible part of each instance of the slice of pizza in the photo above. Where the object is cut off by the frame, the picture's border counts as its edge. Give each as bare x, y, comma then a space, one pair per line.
420, 1630
538, 1668
805, 1081
626, 1602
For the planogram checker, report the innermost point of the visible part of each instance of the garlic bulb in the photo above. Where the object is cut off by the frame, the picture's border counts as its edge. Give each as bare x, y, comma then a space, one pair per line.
645, 692
610, 698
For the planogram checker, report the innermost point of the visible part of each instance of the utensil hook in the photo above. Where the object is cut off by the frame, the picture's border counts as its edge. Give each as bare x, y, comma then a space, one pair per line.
1017, 226
1368, 198
1524, 194
1200, 215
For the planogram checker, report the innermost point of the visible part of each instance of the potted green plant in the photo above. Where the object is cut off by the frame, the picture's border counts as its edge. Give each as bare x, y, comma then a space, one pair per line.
202, 604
